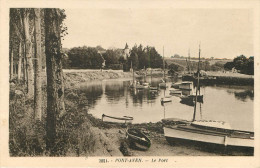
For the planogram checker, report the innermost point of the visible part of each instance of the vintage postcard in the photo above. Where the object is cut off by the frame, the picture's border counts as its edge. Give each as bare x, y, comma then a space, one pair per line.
125, 83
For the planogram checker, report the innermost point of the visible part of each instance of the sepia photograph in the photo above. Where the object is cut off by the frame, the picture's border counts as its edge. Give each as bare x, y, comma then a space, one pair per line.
127, 82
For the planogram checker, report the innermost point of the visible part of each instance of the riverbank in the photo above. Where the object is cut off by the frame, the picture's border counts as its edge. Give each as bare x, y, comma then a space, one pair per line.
79, 133
73, 78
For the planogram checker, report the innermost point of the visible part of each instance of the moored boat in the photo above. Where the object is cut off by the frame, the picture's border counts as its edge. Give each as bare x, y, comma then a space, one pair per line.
166, 99
138, 139
207, 131
175, 85
186, 85
113, 119
145, 84
210, 132
176, 92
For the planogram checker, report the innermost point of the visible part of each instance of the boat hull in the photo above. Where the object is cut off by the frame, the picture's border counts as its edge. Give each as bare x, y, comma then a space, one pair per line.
178, 134
162, 85
138, 140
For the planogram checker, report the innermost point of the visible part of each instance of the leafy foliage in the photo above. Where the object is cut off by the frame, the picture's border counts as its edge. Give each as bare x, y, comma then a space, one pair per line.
85, 57
243, 64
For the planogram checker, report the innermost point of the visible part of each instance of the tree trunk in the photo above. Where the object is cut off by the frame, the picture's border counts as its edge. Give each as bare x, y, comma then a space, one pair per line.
55, 88
38, 67
19, 62
24, 66
28, 55
11, 63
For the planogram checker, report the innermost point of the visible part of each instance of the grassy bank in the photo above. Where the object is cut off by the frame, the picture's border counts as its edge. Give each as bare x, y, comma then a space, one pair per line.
74, 77
75, 134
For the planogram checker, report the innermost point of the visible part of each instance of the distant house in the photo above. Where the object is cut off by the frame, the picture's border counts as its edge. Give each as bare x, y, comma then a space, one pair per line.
234, 70
125, 52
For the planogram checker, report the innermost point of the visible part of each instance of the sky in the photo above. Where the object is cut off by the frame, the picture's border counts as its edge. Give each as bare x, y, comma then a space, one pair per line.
222, 33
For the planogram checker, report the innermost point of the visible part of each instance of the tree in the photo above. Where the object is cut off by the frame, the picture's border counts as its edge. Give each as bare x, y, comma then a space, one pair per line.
250, 66
240, 63
229, 65
38, 66
55, 88
85, 57
25, 14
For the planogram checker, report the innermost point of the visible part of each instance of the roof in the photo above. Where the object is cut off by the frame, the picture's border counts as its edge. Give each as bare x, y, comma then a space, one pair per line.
126, 46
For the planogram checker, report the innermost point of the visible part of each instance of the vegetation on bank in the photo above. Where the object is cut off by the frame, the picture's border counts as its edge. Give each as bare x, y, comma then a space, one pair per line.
27, 136
243, 64
97, 57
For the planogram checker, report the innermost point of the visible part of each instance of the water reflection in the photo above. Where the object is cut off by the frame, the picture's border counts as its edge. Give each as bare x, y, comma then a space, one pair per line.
224, 103
93, 92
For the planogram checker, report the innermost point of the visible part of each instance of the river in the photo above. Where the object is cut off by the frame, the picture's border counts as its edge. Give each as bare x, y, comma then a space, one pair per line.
229, 103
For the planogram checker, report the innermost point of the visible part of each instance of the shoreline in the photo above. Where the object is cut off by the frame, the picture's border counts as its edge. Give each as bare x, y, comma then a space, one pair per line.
99, 138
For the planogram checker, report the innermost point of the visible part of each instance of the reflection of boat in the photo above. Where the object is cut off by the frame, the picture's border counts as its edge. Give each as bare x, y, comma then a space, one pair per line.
207, 131
124, 119
163, 81
176, 92
138, 139
166, 99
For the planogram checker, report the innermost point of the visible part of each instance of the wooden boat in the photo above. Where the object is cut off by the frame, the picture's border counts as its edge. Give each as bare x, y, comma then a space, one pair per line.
153, 89
124, 119
191, 98
162, 84
145, 84
138, 139
210, 132
175, 85
176, 92
186, 85
207, 131
166, 99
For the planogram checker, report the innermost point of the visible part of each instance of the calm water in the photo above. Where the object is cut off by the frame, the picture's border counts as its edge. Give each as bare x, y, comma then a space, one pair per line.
233, 104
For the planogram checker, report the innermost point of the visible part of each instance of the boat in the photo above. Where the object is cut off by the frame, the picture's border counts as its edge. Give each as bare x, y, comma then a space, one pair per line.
162, 84
207, 132
152, 88
191, 98
163, 81
187, 85
166, 99
176, 92
175, 85
138, 139
145, 84
113, 119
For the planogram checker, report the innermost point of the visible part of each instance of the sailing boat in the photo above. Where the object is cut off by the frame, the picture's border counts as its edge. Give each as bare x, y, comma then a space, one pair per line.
216, 133
163, 81
145, 83
188, 76
133, 84
188, 85
152, 88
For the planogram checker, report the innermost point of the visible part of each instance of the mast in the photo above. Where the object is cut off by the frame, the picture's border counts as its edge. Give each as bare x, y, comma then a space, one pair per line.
194, 114
133, 72
189, 63
163, 66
